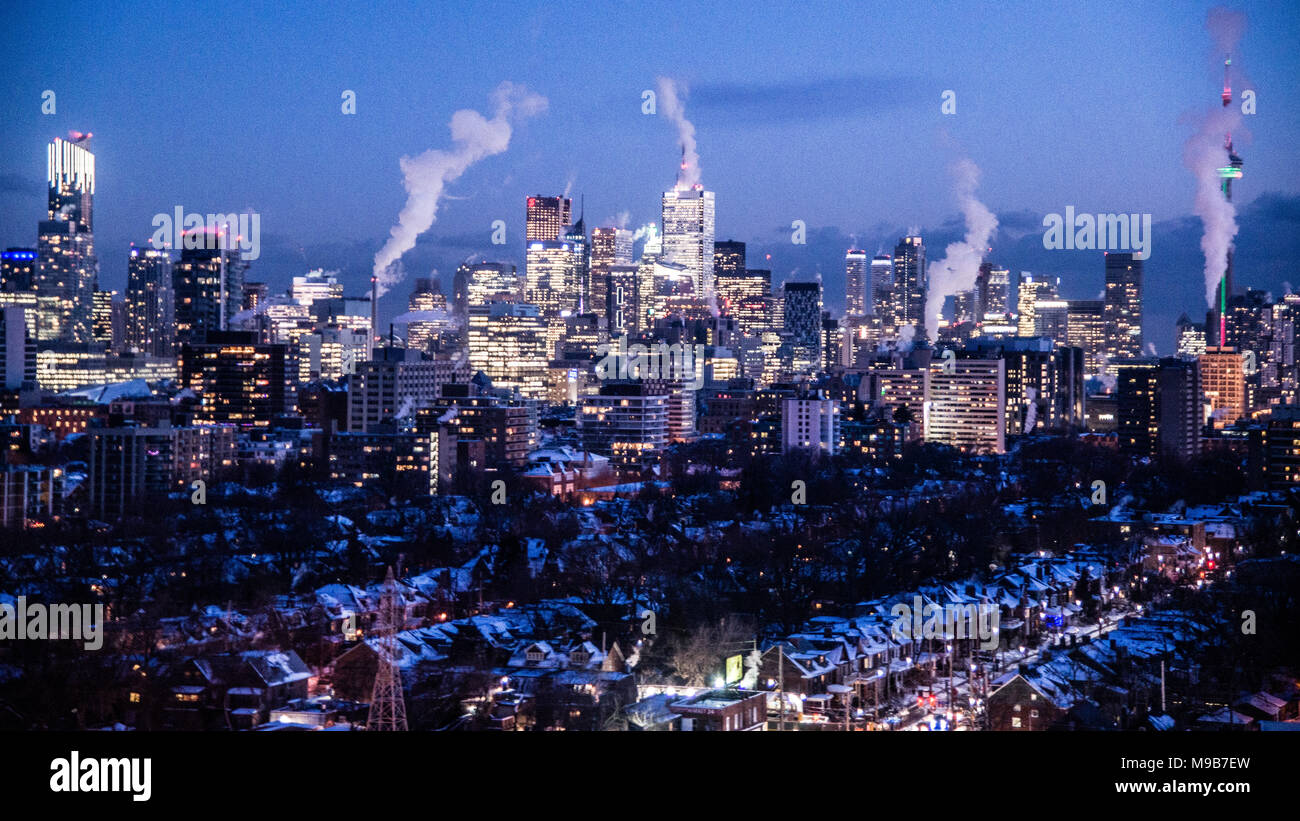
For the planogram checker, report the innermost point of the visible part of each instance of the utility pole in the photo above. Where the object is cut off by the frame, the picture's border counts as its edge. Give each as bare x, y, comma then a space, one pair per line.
780, 666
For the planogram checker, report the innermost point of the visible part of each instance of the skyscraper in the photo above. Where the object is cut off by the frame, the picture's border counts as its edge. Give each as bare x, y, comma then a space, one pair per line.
150, 309
1086, 329
1031, 290
803, 316
67, 271
728, 259
909, 284
207, 284
610, 246
551, 272
1123, 310
547, 217
1223, 383
857, 284
688, 235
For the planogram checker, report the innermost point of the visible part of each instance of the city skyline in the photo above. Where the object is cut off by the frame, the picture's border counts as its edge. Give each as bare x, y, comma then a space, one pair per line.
1013, 184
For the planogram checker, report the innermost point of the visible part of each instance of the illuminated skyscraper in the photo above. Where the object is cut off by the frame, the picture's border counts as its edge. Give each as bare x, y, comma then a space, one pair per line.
1123, 306
909, 284
551, 272
688, 235
67, 271
857, 284
728, 259
507, 341
208, 286
547, 217
1032, 290
967, 403
1223, 383
1086, 329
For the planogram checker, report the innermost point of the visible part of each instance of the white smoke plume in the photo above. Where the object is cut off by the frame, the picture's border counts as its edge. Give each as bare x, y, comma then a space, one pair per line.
425, 176
673, 107
1205, 153
1031, 409
906, 338
961, 260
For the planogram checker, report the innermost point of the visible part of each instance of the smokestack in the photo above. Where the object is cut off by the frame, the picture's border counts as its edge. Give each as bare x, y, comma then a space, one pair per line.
374, 313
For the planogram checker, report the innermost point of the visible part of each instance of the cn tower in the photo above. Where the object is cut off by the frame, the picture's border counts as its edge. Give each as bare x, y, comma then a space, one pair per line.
1230, 172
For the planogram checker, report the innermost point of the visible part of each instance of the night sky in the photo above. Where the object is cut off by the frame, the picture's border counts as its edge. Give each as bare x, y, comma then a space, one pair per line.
825, 113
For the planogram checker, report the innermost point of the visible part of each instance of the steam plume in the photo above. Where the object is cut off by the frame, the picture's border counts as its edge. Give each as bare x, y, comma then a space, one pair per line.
961, 261
426, 175
1205, 153
673, 107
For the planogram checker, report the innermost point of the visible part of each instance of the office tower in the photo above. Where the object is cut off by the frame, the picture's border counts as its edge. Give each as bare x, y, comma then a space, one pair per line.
611, 246
507, 341
728, 259
71, 174
746, 296
1223, 384
17, 270
551, 271
1086, 329
967, 407
485, 282
882, 285
1263, 331
314, 285
908, 299
803, 312
626, 423
579, 289
1032, 289
1190, 338
207, 286
67, 271
328, 352
1158, 405
857, 284
995, 290
811, 423
238, 380
688, 235
255, 295
1123, 308
547, 217
101, 318
1052, 319
424, 300
17, 350
1044, 382
622, 299
834, 348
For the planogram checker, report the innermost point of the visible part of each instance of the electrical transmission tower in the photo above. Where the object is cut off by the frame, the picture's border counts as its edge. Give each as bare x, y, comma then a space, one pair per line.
387, 707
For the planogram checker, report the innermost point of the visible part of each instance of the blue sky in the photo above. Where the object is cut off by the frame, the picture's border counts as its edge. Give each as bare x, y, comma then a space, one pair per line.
829, 113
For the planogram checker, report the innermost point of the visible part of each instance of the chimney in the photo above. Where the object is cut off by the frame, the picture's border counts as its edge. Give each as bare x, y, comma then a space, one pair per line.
374, 313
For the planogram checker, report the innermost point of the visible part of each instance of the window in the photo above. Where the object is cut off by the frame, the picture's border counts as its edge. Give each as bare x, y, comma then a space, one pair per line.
1033, 714
1015, 722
